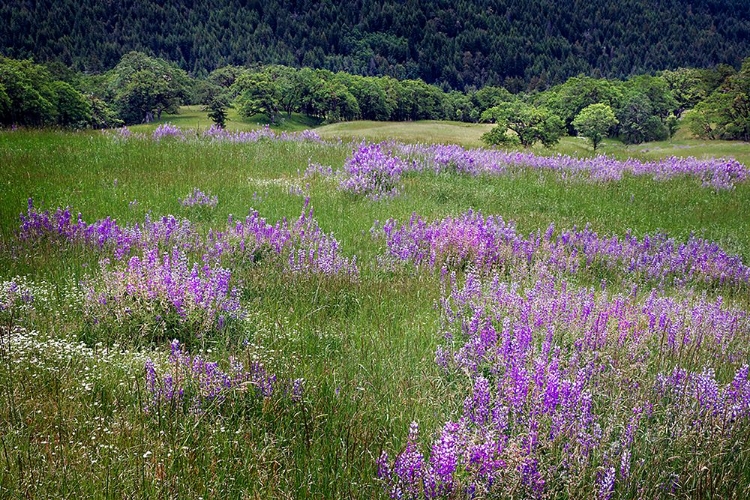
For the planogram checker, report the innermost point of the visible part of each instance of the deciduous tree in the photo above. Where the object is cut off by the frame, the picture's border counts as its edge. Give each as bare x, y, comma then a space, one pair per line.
594, 122
530, 124
143, 87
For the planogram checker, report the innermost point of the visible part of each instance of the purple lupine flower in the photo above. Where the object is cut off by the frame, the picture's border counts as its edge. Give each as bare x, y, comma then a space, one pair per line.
488, 243
625, 465
201, 297
199, 198
219, 134
540, 412
477, 407
166, 130
606, 484
106, 234
205, 382
298, 386
718, 173
372, 172
301, 246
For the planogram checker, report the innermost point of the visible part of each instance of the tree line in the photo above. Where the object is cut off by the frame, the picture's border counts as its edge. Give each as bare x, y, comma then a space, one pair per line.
518, 44
713, 102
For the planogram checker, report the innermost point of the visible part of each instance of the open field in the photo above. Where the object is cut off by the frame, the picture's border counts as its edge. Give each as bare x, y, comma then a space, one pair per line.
465, 134
538, 362
193, 117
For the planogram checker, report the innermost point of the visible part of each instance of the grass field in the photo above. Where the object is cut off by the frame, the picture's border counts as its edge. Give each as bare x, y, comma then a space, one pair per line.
84, 413
193, 117
466, 134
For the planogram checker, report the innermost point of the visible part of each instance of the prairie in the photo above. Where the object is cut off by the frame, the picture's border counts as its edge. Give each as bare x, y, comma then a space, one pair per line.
550, 334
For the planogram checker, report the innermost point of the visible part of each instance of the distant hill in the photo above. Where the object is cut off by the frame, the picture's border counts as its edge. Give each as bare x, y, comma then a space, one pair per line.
516, 43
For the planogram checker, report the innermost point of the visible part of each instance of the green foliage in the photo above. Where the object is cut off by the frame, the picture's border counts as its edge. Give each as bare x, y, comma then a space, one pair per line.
143, 87
486, 98
31, 96
673, 124
370, 94
594, 122
499, 136
334, 102
217, 110
725, 114
688, 87
523, 45
656, 89
102, 114
458, 106
257, 93
215, 99
72, 108
5, 102
420, 101
291, 87
28, 92
225, 76
638, 123
529, 123
568, 99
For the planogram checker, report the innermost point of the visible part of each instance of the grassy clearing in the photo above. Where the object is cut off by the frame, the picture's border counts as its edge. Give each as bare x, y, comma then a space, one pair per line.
465, 134
193, 117
72, 420
469, 135
429, 131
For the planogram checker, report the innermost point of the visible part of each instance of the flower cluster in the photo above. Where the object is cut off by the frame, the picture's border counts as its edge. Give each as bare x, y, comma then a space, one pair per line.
488, 243
106, 234
455, 242
302, 246
167, 130
193, 382
561, 383
215, 133
316, 169
718, 173
123, 134
701, 397
373, 172
160, 293
199, 198
13, 295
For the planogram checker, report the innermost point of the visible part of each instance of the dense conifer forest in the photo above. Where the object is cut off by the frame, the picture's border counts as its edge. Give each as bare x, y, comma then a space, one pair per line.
520, 45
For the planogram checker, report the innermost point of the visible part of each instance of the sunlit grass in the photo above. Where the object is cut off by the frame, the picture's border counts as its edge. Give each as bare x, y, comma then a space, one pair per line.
195, 117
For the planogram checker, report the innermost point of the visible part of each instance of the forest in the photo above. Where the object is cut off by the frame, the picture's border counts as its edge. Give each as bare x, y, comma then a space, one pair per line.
518, 44
714, 103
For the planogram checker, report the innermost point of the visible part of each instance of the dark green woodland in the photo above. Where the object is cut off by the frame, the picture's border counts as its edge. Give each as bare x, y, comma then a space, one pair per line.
519, 44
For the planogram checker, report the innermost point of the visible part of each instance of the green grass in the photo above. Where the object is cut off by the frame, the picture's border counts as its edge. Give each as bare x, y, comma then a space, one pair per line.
469, 135
193, 117
448, 132
443, 132
73, 426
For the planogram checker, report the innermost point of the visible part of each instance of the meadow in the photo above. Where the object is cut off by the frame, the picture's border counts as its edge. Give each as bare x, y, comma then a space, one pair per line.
189, 313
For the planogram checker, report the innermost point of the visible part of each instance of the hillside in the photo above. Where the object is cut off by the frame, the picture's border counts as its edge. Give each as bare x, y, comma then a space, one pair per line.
460, 43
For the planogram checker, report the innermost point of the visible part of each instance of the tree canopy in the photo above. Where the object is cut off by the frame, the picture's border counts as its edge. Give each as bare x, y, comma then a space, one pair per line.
30, 96
519, 44
725, 114
139, 88
530, 124
143, 87
594, 122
